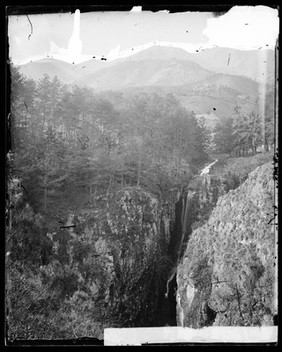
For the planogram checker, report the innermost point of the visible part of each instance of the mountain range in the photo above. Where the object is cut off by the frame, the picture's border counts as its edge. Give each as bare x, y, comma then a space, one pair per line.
210, 82
253, 64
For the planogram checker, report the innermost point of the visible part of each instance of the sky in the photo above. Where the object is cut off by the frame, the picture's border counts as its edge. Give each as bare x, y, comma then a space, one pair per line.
80, 36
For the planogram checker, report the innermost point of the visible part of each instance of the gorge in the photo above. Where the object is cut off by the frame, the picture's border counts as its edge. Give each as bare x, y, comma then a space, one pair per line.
126, 208
170, 263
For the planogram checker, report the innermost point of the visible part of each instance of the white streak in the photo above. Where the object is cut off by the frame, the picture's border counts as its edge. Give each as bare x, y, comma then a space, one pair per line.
75, 44
206, 169
136, 9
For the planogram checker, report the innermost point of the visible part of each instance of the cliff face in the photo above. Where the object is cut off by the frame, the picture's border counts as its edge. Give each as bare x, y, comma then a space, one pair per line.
227, 274
114, 250
101, 270
207, 188
115, 265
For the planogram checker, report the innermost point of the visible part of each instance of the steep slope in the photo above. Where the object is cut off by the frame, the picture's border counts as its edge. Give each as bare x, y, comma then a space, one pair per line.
210, 97
142, 73
35, 70
255, 64
242, 85
227, 274
99, 273
160, 53
190, 77
218, 94
67, 73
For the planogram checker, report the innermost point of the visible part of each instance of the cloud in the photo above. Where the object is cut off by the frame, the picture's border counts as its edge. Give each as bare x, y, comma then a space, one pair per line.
244, 27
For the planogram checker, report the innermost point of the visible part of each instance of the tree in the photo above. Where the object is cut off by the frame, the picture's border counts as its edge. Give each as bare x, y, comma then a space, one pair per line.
44, 102
22, 100
269, 120
247, 130
224, 137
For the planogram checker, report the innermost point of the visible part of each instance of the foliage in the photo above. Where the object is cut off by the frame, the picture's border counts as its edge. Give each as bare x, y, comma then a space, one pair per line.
246, 131
224, 138
96, 276
236, 170
66, 136
78, 153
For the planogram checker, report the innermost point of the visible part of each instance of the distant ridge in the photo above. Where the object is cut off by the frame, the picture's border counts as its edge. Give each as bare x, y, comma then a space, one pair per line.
211, 82
255, 64
52, 67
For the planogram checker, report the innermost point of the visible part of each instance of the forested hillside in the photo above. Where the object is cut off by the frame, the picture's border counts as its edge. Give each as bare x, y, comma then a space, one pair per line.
70, 143
91, 184
212, 81
98, 200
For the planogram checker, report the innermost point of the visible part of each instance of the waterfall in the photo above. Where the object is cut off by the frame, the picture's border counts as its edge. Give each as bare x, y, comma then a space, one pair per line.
206, 169
184, 231
178, 241
190, 196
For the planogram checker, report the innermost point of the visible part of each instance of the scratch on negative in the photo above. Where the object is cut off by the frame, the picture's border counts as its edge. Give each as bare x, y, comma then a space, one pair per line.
228, 59
31, 28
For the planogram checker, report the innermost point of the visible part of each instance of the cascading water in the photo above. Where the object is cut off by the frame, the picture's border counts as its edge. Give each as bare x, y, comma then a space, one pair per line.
179, 237
178, 242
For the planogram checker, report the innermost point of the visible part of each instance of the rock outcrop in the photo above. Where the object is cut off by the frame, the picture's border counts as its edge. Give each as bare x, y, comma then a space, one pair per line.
227, 274
115, 249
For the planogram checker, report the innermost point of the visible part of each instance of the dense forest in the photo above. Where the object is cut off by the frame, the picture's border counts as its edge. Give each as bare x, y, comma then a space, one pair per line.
72, 148
65, 136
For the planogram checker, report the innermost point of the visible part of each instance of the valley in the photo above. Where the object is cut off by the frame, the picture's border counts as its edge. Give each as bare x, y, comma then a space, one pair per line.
140, 193
201, 82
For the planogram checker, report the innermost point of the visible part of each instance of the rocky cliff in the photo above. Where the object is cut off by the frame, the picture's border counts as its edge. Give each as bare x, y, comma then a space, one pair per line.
114, 264
102, 268
227, 273
127, 235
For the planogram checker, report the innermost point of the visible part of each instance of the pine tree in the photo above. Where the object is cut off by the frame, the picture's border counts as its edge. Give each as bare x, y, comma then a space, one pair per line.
247, 129
223, 136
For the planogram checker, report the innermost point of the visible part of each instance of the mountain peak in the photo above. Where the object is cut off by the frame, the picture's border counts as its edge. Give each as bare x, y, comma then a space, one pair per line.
160, 53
